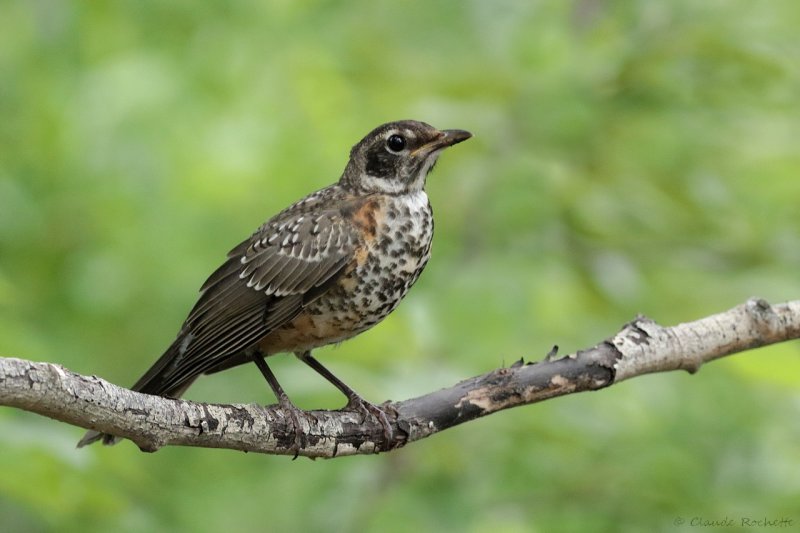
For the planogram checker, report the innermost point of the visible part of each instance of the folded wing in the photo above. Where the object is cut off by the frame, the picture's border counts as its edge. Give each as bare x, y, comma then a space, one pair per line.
266, 281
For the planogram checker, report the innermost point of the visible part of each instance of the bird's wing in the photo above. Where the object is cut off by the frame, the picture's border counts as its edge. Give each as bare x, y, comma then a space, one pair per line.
266, 281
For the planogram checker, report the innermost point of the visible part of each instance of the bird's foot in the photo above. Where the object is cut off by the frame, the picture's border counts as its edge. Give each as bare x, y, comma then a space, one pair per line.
357, 403
294, 414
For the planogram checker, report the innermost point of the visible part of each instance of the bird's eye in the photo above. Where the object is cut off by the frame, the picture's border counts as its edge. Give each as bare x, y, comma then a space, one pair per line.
396, 143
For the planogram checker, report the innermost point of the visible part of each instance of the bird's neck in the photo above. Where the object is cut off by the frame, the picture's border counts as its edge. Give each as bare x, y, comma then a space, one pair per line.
367, 184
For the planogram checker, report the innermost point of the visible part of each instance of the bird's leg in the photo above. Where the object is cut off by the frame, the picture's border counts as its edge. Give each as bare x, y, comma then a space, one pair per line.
354, 401
283, 400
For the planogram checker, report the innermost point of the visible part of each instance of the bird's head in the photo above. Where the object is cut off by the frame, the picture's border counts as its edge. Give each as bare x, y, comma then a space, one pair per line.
396, 157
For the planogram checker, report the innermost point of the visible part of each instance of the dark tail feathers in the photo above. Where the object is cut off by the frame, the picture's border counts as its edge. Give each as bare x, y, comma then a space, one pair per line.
152, 382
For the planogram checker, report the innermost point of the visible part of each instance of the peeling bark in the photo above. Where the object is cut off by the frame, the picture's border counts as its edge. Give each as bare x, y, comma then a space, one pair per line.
641, 347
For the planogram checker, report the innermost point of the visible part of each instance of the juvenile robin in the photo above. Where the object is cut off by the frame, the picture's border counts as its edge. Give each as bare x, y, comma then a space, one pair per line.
321, 271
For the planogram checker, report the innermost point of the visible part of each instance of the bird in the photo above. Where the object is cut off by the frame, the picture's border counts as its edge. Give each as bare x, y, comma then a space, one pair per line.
321, 271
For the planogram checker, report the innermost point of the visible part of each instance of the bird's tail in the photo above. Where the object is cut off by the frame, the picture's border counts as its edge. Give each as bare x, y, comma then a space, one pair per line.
155, 382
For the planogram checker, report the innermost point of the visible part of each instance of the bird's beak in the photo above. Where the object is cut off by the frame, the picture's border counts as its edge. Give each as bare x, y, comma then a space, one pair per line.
443, 140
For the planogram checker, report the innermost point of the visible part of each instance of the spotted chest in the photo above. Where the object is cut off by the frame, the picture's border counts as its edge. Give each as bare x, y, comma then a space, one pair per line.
397, 231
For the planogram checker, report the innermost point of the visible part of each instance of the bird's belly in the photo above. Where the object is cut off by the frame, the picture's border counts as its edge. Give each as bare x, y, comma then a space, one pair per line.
306, 332
345, 311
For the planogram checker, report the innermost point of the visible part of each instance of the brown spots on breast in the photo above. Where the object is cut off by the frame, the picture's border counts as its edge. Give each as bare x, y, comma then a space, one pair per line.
348, 282
366, 214
361, 255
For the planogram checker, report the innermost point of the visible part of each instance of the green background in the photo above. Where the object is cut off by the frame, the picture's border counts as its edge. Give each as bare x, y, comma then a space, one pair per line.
628, 157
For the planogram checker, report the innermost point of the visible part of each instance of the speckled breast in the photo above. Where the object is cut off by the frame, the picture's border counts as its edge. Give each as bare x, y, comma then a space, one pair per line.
398, 231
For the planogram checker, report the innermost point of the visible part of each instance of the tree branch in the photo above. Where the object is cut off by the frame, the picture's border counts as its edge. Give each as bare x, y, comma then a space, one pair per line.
641, 347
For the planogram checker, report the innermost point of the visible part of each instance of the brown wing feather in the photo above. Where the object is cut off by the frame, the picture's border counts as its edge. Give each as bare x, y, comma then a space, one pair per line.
264, 284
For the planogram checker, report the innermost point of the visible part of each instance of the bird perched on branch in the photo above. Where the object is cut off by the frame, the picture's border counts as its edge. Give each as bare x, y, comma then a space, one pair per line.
321, 271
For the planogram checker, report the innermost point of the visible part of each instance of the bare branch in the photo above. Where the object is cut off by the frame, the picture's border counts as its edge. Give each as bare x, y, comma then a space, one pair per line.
641, 347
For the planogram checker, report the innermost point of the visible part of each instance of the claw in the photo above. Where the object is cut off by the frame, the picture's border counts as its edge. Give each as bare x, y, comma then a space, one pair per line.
357, 403
294, 413
354, 401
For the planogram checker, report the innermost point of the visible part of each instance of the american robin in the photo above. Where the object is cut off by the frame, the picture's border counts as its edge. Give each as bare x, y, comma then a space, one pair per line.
321, 271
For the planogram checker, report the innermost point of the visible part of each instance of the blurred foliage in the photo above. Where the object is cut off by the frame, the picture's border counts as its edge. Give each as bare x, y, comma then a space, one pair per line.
628, 157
